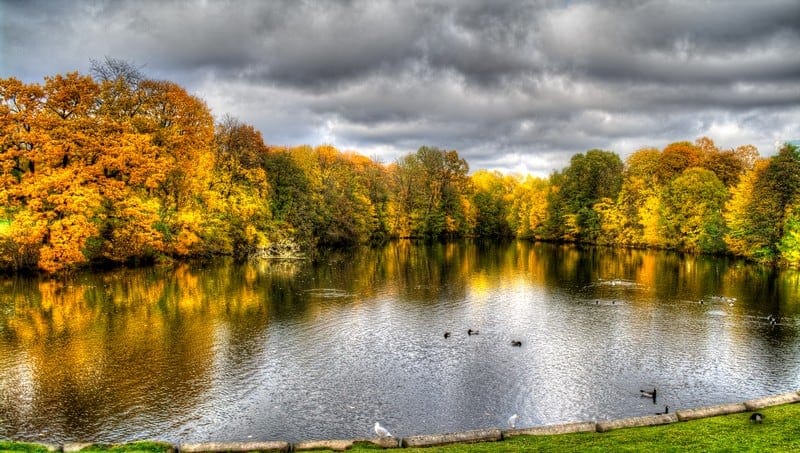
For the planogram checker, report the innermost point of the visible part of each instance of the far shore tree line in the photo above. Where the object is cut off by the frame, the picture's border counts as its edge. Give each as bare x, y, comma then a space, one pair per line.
116, 168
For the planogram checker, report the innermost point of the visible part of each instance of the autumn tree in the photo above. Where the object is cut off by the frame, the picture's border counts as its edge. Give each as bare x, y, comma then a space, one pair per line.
675, 158
527, 212
292, 200
639, 192
405, 179
347, 211
121, 168
692, 212
762, 205
590, 178
490, 199
375, 179
114, 170
44, 178
741, 239
789, 244
121, 95
240, 180
432, 187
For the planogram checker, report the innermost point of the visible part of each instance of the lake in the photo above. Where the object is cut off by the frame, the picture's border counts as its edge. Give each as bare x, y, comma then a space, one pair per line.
296, 350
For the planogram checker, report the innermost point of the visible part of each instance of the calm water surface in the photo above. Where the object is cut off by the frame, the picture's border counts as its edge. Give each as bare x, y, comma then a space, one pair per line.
299, 350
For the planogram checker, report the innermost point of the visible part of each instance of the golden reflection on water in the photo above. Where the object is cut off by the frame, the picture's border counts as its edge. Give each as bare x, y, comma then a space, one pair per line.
85, 354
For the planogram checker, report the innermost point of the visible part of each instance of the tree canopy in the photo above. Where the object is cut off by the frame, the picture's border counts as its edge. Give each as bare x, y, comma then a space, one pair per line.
114, 167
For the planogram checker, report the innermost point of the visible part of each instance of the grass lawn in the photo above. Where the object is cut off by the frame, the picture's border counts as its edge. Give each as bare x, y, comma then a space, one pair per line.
780, 431
133, 447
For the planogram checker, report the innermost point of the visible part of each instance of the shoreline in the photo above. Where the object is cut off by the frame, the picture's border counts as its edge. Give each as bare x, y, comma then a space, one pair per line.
432, 440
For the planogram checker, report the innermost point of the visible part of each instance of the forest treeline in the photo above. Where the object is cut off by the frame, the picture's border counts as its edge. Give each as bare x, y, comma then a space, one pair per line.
114, 167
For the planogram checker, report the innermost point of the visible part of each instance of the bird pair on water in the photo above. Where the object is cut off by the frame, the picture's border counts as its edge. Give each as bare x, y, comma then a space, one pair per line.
470, 332
653, 394
646, 394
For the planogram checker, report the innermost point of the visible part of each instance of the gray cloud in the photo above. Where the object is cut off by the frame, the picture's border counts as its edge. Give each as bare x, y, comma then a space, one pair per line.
513, 85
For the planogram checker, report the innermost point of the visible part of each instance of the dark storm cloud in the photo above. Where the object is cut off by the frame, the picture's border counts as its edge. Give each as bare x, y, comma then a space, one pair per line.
509, 84
676, 42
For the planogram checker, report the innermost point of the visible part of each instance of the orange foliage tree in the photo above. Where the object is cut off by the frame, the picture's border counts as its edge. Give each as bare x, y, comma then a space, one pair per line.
121, 168
116, 170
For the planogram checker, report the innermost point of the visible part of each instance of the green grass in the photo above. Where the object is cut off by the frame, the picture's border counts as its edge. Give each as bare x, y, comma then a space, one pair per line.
133, 447
779, 432
21, 446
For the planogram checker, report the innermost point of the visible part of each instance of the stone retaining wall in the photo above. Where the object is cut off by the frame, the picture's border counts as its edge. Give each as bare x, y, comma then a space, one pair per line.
632, 422
483, 435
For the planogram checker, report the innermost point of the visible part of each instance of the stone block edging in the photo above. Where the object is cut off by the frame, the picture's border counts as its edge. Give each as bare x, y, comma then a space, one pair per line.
479, 435
215, 447
774, 400
343, 444
631, 422
547, 430
335, 445
710, 411
75, 446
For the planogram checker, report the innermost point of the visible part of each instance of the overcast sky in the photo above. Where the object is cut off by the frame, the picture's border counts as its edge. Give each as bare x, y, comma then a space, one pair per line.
511, 85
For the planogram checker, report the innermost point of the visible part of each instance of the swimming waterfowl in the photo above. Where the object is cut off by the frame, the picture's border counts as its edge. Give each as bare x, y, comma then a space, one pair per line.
646, 394
516, 343
472, 332
666, 411
447, 334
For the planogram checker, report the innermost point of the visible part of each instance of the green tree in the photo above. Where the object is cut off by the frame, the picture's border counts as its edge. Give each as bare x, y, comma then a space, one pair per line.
692, 212
292, 198
789, 245
775, 191
347, 213
638, 186
432, 188
528, 211
590, 178
240, 181
742, 238
492, 192
761, 206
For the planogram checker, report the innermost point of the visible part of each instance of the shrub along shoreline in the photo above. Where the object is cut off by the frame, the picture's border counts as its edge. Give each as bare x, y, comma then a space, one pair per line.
728, 427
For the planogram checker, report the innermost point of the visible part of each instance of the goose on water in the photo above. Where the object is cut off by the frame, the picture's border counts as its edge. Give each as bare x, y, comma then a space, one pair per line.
646, 394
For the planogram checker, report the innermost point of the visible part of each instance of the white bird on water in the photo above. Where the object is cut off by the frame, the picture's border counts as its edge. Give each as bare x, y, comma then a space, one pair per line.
381, 431
512, 421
